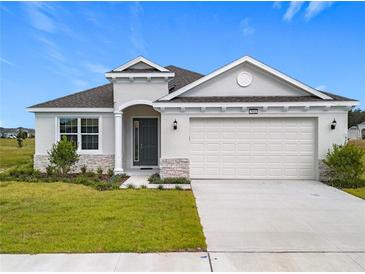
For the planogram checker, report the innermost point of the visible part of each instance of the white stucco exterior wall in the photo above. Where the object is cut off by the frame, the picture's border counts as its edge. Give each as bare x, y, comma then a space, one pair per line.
263, 84
176, 144
46, 130
126, 91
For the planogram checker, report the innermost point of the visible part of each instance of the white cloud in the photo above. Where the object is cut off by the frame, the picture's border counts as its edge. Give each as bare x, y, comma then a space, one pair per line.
321, 87
136, 36
293, 9
96, 68
314, 8
246, 27
52, 50
5, 61
276, 5
39, 16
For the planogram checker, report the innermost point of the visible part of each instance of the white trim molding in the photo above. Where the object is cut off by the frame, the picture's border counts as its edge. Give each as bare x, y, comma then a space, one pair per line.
70, 110
133, 103
143, 60
132, 75
250, 60
255, 104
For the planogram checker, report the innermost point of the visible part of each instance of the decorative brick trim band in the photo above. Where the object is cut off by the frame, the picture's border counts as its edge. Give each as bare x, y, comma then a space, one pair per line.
175, 167
91, 161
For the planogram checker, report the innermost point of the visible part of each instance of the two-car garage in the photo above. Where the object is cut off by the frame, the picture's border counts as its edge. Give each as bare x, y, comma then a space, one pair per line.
252, 148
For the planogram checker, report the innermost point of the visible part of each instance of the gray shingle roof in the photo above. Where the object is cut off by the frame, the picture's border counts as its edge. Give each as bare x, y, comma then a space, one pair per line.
102, 96
182, 78
98, 97
250, 99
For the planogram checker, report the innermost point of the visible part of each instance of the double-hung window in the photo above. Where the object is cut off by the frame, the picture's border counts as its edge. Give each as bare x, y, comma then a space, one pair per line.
68, 128
84, 132
89, 134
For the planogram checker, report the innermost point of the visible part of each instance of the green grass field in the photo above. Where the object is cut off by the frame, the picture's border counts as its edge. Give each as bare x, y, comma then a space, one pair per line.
358, 192
11, 155
60, 217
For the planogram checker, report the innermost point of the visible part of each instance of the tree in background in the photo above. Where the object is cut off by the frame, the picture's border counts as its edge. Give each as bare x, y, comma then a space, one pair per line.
356, 117
19, 137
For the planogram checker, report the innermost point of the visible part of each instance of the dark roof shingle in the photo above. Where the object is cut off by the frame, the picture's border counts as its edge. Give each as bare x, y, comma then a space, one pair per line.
98, 97
250, 99
102, 96
182, 78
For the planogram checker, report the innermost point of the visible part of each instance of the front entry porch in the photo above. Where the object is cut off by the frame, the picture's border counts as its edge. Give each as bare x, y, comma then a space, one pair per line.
137, 140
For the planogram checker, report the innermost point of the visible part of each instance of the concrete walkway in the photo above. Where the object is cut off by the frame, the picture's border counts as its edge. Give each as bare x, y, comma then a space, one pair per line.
187, 262
107, 262
281, 226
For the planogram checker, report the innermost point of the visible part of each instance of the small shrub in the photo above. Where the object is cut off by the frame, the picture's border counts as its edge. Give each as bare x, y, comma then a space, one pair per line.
36, 173
82, 180
90, 174
123, 175
345, 163
177, 187
155, 179
63, 155
110, 172
83, 170
102, 186
50, 170
143, 186
99, 171
160, 187
176, 180
131, 186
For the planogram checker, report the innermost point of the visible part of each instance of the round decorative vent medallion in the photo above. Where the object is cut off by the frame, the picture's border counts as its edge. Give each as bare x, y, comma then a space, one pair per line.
244, 79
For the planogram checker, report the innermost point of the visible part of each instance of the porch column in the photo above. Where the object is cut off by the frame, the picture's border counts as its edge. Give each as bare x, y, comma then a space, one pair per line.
118, 127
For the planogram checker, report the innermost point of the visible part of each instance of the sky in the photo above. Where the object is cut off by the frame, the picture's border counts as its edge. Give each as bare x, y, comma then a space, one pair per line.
52, 49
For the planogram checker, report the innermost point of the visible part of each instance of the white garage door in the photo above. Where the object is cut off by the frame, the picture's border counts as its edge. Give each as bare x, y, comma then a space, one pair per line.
252, 148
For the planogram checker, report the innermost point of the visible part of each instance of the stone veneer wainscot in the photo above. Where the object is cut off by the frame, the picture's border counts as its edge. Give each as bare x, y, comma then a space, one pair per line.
174, 167
91, 161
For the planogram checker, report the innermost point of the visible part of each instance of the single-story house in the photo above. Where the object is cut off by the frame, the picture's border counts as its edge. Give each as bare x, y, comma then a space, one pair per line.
357, 132
245, 120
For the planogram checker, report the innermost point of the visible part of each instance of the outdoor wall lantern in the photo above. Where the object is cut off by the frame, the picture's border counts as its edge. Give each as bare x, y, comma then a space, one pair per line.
175, 125
333, 125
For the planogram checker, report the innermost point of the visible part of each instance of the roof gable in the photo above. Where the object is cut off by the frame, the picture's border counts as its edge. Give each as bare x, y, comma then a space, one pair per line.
140, 64
253, 62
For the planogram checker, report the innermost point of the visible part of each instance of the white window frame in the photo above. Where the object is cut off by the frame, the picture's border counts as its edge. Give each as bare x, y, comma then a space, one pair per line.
79, 134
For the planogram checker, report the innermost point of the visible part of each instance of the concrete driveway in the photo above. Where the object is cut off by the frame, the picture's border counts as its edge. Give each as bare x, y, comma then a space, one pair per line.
284, 225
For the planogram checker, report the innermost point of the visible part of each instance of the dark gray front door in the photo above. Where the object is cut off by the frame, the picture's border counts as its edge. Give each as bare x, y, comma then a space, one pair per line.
145, 142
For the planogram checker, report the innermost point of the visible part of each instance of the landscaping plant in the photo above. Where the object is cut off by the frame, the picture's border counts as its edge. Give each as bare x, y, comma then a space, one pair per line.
63, 155
345, 163
156, 179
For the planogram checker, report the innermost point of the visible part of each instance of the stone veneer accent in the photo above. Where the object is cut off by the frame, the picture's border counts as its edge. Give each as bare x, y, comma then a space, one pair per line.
91, 161
175, 167
324, 171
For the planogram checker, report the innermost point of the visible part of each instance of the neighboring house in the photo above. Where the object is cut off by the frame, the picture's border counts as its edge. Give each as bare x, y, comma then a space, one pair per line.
357, 132
245, 120
13, 132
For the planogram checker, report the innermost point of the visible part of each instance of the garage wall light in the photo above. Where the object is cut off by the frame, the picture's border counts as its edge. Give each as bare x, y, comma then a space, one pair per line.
333, 125
175, 125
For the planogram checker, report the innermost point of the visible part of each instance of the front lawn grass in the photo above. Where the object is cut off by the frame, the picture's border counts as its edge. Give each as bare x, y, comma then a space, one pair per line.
358, 192
11, 155
60, 217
